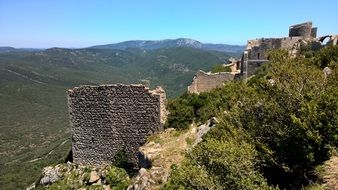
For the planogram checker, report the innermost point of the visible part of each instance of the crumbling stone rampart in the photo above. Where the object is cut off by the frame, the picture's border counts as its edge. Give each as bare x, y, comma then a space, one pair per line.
204, 82
304, 30
108, 119
163, 102
257, 50
256, 54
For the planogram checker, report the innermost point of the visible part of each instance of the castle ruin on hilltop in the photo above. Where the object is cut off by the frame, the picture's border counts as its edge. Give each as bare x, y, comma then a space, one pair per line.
256, 50
255, 55
109, 119
204, 82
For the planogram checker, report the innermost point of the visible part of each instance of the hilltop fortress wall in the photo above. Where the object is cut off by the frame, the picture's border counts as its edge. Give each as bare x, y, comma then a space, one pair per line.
204, 82
256, 54
108, 119
258, 49
304, 30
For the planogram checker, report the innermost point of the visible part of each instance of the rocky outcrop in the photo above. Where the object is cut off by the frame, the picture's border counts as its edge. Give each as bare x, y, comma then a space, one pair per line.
163, 150
203, 129
327, 71
74, 176
148, 179
50, 175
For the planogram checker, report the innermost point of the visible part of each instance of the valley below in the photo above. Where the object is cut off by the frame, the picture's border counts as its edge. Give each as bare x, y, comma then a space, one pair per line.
34, 124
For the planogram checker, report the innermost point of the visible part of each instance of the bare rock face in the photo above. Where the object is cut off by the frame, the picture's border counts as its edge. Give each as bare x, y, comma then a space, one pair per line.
204, 128
327, 71
94, 177
50, 175
148, 179
74, 176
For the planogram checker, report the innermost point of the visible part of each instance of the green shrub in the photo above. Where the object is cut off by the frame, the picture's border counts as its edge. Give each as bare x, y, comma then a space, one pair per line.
118, 178
123, 159
276, 131
86, 177
190, 176
181, 114
228, 163
220, 68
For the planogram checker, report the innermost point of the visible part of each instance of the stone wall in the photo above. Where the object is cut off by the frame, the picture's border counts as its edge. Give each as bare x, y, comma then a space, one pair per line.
204, 82
108, 119
261, 46
258, 49
333, 40
314, 32
234, 65
163, 102
303, 29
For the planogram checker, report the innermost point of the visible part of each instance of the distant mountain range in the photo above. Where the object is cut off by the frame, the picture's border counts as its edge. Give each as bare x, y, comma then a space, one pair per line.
5, 49
180, 42
153, 45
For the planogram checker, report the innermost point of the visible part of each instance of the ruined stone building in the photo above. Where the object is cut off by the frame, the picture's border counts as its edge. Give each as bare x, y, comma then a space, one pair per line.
333, 39
204, 82
108, 119
256, 53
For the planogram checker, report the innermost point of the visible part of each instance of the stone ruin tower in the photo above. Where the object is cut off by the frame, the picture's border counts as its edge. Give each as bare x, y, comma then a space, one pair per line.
108, 119
304, 30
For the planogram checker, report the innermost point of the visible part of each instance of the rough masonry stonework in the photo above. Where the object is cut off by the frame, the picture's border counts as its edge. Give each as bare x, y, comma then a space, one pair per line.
256, 54
204, 82
257, 49
108, 119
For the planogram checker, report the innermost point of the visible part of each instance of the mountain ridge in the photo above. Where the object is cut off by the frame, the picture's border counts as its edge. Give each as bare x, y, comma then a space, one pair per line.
145, 45
179, 42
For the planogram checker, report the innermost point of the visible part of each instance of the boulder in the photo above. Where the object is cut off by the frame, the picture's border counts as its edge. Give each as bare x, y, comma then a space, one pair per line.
94, 177
50, 175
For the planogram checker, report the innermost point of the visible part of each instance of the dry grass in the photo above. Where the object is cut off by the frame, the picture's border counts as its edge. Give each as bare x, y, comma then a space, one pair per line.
331, 173
168, 147
164, 149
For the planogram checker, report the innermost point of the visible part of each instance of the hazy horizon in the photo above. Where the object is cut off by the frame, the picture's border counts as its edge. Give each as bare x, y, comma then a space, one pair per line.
118, 42
79, 24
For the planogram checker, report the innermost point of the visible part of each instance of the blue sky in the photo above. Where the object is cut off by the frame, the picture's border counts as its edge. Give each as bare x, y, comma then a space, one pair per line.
82, 23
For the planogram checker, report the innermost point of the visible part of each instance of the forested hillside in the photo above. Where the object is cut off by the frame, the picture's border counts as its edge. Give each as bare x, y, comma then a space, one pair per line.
274, 132
34, 126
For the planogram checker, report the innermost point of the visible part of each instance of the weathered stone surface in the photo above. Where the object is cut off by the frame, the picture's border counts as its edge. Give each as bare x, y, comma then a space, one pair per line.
79, 176
203, 129
108, 119
258, 49
50, 175
31, 187
149, 179
327, 71
304, 30
163, 101
204, 82
94, 177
